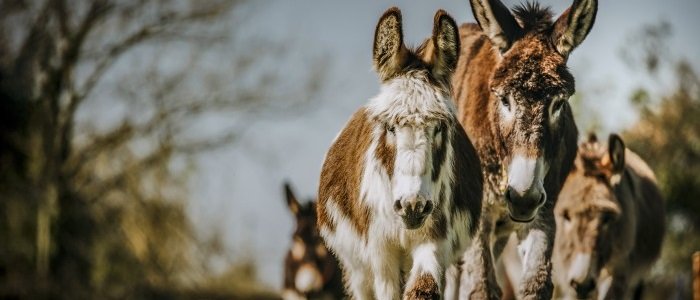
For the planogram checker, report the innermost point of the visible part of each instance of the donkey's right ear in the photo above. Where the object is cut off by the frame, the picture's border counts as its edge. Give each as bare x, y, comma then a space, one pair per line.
616, 151
291, 199
497, 22
389, 51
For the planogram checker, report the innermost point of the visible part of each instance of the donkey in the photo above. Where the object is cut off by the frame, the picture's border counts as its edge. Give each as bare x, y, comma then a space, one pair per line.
401, 185
310, 271
610, 223
511, 88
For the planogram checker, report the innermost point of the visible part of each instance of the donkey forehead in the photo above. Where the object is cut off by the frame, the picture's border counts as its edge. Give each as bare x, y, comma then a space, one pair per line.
412, 99
586, 194
534, 70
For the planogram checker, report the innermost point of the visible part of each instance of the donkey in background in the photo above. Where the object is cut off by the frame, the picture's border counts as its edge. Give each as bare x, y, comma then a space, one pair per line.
610, 224
310, 270
511, 87
401, 186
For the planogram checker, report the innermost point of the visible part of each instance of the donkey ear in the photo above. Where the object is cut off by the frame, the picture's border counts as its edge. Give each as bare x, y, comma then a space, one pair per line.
497, 22
445, 46
389, 51
291, 199
573, 25
616, 151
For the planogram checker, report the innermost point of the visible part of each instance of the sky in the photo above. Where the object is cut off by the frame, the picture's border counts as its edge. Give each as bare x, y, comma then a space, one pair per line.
238, 189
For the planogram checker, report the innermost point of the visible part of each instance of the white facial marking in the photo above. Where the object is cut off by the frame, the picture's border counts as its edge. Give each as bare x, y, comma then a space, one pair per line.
307, 279
525, 172
409, 182
298, 249
408, 102
580, 266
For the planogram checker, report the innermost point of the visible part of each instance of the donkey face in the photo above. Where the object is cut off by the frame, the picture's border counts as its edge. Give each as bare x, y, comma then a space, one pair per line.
529, 89
587, 214
308, 260
413, 117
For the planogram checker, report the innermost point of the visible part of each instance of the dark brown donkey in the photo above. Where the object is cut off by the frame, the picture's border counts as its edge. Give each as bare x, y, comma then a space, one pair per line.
610, 224
310, 271
511, 87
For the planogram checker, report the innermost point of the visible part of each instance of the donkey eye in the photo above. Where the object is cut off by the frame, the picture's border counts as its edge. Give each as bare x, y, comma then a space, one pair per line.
557, 105
606, 218
566, 216
438, 129
505, 102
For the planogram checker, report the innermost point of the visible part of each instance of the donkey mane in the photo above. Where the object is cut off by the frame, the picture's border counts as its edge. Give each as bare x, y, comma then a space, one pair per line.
533, 17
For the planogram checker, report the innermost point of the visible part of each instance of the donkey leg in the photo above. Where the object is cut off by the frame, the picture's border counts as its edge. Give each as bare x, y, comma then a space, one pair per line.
452, 282
386, 271
424, 279
535, 247
477, 279
357, 282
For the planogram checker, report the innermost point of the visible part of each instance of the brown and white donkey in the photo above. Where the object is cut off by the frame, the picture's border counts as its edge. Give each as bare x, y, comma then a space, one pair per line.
511, 86
401, 185
310, 271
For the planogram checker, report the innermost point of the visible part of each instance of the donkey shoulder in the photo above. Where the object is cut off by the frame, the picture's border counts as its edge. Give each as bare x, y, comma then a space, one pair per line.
341, 173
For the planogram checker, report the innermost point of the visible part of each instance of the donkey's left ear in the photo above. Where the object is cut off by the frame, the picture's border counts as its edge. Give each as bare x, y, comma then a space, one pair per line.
291, 199
445, 46
573, 25
616, 152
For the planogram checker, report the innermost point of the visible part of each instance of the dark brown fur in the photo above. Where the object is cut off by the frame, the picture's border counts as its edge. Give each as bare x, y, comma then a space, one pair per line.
523, 61
314, 254
425, 289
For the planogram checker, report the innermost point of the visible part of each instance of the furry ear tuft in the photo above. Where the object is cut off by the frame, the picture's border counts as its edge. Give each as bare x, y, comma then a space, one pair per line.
389, 51
497, 22
446, 46
572, 27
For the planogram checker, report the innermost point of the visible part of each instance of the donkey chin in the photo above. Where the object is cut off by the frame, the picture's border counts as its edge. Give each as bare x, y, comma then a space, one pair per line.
413, 210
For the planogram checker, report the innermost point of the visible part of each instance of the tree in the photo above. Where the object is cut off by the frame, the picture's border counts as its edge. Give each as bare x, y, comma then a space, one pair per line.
93, 209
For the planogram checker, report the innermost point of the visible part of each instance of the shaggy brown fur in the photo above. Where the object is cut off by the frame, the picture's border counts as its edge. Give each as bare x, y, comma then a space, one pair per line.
610, 208
517, 62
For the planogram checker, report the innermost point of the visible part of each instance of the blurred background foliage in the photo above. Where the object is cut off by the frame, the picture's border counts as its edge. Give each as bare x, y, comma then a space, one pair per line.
667, 135
95, 162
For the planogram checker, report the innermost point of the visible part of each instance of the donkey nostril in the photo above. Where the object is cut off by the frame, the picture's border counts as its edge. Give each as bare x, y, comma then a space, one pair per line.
428, 207
509, 194
397, 205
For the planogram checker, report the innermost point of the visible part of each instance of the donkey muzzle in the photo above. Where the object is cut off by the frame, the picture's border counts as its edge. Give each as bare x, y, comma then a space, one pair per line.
413, 211
523, 207
525, 193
